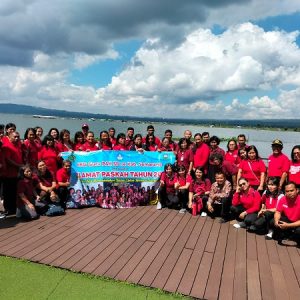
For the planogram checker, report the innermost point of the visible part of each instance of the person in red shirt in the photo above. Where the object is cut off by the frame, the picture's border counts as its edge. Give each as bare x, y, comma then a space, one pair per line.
64, 144
39, 133
169, 135
9, 128
85, 129
55, 134
13, 156
63, 178
90, 144
182, 186
201, 153
165, 145
150, 143
120, 145
138, 143
167, 191
279, 163
78, 141
214, 143
246, 204
265, 217
30, 148
199, 191
253, 169
287, 216
150, 132
184, 156
242, 141
129, 137
231, 154
188, 136
104, 141
294, 171
111, 133
206, 137
27, 195
49, 154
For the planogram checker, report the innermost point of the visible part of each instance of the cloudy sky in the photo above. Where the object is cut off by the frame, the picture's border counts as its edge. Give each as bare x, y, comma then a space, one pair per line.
169, 58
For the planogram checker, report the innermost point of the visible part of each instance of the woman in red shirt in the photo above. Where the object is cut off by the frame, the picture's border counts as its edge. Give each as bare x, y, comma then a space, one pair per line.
231, 154
78, 141
246, 203
120, 145
104, 141
49, 154
294, 172
90, 144
253, 169
182, 186
150, 143
184, 155
30, 148
39, 133
64, 144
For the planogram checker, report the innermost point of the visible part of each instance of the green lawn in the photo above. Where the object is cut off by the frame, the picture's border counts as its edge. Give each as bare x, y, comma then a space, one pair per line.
25, 280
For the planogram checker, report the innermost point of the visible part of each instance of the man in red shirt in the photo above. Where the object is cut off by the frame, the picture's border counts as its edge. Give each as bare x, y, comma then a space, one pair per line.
63, 177
287, 216
13, 160
129, 137
279, 163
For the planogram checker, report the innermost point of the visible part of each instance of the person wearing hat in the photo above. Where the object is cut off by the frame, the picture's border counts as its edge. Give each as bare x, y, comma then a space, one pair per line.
279, 163
85, 128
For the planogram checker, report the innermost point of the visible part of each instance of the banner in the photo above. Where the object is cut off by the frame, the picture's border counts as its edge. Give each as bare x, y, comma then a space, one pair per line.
115, 179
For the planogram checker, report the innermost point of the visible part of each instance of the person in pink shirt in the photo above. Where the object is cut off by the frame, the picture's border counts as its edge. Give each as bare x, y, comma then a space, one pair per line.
287, 216
201, 153
279, 163
294, 171
246, 204
253, 169
231, 154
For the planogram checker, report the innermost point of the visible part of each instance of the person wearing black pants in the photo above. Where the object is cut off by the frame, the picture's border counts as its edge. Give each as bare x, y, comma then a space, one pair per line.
182, 187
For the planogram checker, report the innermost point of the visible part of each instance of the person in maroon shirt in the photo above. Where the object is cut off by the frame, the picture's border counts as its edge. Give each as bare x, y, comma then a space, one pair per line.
104, 141
78, 141
206, 137
188, 136
246, 204
182, 186
242, 141
27, 195
169, 135
184, 156
287, 217
129, 137
63, 178
167, 192
214, 143
30, 148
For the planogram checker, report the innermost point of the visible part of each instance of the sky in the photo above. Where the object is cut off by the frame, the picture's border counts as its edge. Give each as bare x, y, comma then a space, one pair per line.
198, 59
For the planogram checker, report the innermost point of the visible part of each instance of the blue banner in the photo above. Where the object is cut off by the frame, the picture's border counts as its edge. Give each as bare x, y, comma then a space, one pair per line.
114, 179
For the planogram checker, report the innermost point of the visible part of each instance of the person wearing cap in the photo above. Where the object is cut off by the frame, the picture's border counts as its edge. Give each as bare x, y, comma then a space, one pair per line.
85, 129
278, 163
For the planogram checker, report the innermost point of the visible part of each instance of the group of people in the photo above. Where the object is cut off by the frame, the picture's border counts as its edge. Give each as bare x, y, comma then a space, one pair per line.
206, 179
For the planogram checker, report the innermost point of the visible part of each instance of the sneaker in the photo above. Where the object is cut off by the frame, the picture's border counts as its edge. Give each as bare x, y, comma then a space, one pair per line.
269, 235
158, 205
287, 242
182, 211
239, 225
203, 214
18, 213
252, 228
2, 216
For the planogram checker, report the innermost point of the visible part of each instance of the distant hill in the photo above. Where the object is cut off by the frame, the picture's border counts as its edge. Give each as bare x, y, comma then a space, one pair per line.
33, 110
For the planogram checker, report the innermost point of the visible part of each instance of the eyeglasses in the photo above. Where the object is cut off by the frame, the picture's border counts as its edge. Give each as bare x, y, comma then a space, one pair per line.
242, 184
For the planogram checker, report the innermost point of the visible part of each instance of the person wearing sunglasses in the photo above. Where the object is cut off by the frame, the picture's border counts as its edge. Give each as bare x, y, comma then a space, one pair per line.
294, 171
246, 203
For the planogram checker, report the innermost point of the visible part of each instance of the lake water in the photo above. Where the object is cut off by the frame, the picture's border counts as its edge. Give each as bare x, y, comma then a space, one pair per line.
262, 139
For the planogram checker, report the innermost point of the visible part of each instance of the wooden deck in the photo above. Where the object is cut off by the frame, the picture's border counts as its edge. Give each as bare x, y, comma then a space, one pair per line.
194, 256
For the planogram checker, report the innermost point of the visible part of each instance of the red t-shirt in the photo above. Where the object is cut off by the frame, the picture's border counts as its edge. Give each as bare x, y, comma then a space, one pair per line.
183, 180
270, 201
290, 208
63, 176
152, 147
251, 170
49, 156
184, 158
78, 147
157, 141
45, 180
200, 187
169, 182
31, 150
26, 186
120, 147
90, 146
250, 201
14, 153
294, 172
232, 157
278, 165
63, 147
201, 156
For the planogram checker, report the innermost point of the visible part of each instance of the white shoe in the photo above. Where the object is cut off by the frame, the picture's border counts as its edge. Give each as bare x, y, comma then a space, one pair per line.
269, 236
158, 205
237, 225
203, 214
18, 213
182, 211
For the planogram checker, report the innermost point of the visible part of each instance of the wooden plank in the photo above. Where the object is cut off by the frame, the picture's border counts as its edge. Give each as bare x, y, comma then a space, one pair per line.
173, 256
295, 259
202, 276
214, 279
253, 280
265, 274
192, 241
178, 271
240, 274
227, 279
189, 275
158, 261
213, 237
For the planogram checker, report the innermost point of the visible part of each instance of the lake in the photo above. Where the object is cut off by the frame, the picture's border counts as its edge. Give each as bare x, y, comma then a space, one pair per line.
262, 139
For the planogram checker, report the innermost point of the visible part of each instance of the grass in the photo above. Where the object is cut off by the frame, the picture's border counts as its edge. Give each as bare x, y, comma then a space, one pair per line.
21, 279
